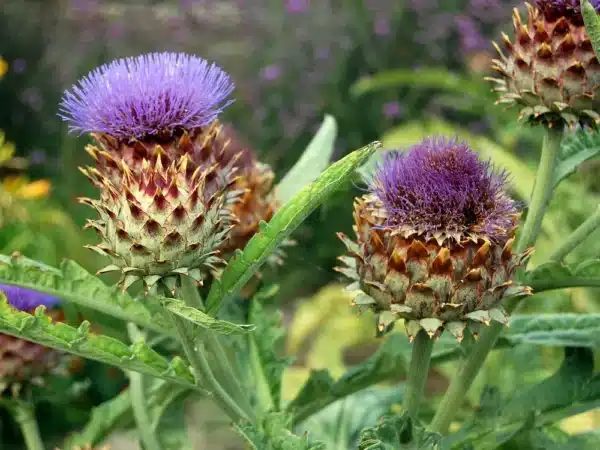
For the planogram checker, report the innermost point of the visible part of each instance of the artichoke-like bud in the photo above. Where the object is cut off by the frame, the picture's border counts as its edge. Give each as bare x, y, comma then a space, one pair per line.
434, 240
23, 362
168, 182
549, 67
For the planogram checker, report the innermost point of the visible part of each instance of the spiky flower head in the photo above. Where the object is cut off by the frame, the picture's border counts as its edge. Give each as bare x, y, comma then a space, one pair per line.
21, 361
549, 68
434, 240
170, 181
152, 94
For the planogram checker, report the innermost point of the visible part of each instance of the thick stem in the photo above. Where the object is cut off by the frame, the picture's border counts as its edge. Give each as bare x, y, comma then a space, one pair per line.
139, 405
417, 372
204, 374
590, 225
221, 366
24, 415
470, 367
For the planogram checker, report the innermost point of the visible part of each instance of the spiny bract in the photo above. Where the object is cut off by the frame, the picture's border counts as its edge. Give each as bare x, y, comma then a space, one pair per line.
549, 68
23, 362
434, 240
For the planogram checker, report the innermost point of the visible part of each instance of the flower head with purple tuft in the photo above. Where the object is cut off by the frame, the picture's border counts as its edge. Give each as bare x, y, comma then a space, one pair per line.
434, 239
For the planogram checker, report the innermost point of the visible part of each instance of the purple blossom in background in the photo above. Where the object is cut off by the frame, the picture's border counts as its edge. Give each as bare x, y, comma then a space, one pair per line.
27, 299
441, 185
382, 25
470, 37
297, 6
392, 109
271, 72
19, 65
148, 94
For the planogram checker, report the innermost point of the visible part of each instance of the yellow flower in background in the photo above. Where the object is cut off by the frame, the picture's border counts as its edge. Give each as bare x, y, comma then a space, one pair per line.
3, 67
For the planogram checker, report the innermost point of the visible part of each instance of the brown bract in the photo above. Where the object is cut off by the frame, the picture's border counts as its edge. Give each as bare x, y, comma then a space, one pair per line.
433, 285
550, 70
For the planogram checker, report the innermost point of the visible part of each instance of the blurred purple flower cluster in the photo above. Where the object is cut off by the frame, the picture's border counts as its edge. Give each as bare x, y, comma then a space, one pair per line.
282, 58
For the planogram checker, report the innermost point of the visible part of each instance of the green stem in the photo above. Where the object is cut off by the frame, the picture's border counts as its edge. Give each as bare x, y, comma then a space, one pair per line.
24, 415
577, 237
139, 404
197, 358
417, 372
222, 369
469, 368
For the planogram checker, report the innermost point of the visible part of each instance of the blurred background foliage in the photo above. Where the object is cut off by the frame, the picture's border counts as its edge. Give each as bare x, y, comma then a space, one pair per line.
388, 70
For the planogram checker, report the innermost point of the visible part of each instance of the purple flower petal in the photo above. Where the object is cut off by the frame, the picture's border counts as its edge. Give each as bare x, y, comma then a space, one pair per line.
441, 185
26, 299
148, 94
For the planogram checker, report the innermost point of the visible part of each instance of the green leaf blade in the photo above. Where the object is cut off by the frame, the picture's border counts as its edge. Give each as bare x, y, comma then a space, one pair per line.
247, 262
203, 320
575, 149
312, 162
592, 24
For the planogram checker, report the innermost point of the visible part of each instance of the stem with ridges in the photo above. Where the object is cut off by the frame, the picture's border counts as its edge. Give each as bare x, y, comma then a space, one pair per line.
24, 415
469, 368
590, 225
139, 404
204, 375
417, 372
221, 366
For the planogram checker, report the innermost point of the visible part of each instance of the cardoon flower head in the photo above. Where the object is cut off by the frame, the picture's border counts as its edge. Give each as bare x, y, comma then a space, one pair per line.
21, 361
151, 94
172, 187
549, 68
434, 239
441, 189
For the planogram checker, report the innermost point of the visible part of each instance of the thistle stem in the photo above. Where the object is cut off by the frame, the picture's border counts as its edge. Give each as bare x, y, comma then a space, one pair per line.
139, 404
469, 368
222, 369
197, 358
24, 415
577, 237
417, 372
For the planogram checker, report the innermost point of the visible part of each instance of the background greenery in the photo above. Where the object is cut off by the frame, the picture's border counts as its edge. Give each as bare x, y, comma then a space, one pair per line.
393, 71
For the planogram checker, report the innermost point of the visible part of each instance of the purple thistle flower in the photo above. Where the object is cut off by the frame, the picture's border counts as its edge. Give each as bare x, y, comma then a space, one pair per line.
441, 186
26, 299
149, 94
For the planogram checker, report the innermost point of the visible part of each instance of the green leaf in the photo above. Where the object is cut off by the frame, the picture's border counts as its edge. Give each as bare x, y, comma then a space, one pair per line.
575, 149
592, 24
573, 389
553, 438
204, 320
555, 275
245, 264
398, 433
266, 363
172, 431
73, 283
80, 341
312, 162
563, 330
431, 78
274, 433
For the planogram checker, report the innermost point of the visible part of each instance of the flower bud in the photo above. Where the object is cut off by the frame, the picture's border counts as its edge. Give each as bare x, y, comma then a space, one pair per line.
434, 240
549, 68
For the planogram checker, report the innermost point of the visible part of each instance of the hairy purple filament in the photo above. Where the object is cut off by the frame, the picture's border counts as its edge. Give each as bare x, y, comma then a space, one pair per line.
441, 186
147, 95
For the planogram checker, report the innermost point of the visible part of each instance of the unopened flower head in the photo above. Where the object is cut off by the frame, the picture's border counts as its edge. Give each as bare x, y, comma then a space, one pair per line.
150, 94
26, 299
441, 188
434, 239
548, 66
